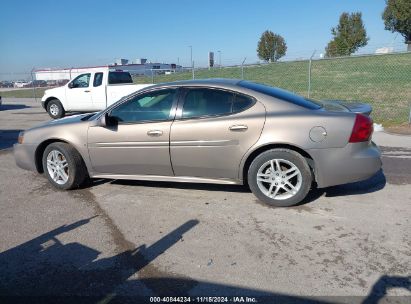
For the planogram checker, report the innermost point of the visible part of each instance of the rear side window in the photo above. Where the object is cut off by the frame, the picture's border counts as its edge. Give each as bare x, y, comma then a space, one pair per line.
241, 102
206, 102
280, 94
119, 77
212, 102
98, 79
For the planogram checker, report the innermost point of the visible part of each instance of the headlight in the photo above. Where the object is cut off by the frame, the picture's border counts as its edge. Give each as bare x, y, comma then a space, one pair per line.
21, 137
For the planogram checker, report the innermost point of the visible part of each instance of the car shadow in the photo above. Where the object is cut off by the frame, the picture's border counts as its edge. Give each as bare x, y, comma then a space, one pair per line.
187, 186
384, 283
373, 184
8, 138
9, 107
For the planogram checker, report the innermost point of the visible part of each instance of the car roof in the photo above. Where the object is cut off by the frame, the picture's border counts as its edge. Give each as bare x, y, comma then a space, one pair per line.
220, 82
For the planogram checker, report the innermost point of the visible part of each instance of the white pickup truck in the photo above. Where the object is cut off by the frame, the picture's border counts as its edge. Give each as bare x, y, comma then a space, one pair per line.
91, 91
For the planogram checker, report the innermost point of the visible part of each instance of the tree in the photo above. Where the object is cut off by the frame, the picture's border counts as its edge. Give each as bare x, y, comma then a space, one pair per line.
349, 36
397, 18
271, 46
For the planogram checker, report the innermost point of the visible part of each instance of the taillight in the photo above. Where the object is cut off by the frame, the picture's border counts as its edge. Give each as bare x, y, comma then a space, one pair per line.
362, 129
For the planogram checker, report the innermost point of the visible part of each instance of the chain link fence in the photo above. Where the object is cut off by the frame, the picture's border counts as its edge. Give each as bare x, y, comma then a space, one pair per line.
384, 81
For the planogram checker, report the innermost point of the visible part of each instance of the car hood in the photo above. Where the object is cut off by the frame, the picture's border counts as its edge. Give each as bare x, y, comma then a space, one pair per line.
347, 106
52, 92
65, 121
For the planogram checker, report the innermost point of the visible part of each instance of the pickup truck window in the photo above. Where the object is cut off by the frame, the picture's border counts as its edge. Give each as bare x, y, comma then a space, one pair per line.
81, 81
119, 77
98, 79
146, 107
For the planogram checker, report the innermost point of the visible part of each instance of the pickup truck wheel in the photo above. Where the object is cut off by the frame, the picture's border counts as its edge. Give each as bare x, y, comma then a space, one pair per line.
55, 109
63, 166
280, 177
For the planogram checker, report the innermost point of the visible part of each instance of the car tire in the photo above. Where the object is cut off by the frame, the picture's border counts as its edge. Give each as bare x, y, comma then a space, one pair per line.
63, 166
280, 177
55, 109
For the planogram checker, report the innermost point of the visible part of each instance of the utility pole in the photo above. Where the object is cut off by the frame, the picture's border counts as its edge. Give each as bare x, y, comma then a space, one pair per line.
193, 71
219, 58
309, 74
191, 55
242, 68
32, 84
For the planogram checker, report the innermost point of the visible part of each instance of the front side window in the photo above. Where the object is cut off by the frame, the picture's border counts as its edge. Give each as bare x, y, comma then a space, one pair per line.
151, 106
98, 79
207, 102
81, 81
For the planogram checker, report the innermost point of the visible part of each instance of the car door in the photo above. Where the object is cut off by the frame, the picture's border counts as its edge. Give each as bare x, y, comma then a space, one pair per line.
78, 93
138, 144
212, 131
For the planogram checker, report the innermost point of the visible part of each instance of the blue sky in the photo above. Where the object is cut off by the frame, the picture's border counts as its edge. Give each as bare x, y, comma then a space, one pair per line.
78, 33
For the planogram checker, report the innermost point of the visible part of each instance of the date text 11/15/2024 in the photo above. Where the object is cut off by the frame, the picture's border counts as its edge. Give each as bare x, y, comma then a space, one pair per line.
236, 299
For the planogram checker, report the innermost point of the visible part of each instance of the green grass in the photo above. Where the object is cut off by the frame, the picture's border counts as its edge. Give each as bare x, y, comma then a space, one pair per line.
23, 93
384, 81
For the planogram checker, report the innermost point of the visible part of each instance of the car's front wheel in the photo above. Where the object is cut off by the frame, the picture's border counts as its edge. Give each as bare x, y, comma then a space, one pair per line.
63, 166
55, 109
280, 177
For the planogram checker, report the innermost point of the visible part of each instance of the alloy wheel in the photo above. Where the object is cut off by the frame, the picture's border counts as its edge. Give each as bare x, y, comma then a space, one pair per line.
279, 179
57, 167
54, 110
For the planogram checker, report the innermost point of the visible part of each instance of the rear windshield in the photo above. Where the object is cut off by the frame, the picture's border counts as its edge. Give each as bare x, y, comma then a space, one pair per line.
281, 94
119, 77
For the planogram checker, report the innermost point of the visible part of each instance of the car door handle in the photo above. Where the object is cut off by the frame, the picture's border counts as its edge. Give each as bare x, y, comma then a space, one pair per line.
155, 133
87, 91
238, 128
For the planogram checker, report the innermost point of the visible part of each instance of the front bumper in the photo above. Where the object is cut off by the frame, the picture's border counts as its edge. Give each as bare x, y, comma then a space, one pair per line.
355, 162
24, 155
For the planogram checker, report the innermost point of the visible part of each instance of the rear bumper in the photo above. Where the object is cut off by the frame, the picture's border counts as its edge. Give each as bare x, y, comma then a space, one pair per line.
353, 163
24, 156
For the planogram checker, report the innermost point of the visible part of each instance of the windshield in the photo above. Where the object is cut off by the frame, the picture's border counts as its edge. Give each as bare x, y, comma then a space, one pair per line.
281, 94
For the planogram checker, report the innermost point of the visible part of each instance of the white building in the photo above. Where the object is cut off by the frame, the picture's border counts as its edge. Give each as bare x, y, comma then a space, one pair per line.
139, 69
120, 61
384, 50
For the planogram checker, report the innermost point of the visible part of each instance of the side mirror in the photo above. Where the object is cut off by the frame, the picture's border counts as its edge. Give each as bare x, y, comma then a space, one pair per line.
103, 120
106, 120
71, 85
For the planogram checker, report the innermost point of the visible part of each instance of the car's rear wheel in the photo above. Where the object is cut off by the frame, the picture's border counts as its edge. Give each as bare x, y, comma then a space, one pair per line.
64, 166
280, 177
55, 109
